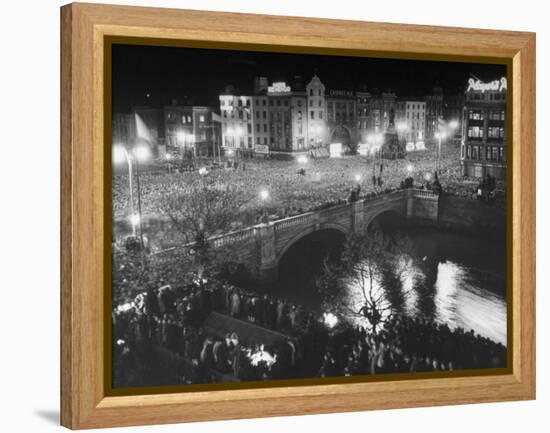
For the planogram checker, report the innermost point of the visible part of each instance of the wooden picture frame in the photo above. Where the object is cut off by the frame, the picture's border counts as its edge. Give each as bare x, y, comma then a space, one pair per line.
84, 28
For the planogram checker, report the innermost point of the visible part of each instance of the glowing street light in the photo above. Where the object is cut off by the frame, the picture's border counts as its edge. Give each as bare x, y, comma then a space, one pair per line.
203, 171
168, 157
264, 194
119, 153
142, 153
453, 124
134, 219
357, 178
330, 320
182, 136
409, 168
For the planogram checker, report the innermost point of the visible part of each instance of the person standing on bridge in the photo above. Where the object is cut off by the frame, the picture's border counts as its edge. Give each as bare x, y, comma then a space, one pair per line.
235, 304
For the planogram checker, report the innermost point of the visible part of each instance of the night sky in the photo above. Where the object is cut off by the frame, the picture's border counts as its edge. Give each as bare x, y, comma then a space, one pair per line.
197, 76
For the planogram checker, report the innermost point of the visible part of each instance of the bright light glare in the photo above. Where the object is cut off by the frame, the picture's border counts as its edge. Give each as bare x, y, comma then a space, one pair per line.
142, 153
230, 152
330, 320
119, 154
134, 219
401, 126
302, 159
428, 176
168, 156
440, 135
182, 136
409, 168
358, 178
203, 171
125, 307
264, 194
453, 124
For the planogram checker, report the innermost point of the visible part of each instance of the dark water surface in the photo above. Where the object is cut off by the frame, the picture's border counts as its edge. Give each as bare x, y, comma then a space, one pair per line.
451, 278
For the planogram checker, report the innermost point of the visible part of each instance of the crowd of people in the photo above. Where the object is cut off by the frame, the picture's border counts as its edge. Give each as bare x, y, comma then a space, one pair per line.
294, 187
162, 330
174, 321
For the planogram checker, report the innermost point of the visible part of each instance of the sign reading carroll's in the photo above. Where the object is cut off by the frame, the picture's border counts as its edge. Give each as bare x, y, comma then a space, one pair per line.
278, 87
478, 85
261, 148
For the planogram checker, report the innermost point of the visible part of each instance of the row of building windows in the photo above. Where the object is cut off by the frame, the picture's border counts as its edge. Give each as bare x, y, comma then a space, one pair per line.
485, 153
476, 96
185, 119
492, 132
480, 115
413, 115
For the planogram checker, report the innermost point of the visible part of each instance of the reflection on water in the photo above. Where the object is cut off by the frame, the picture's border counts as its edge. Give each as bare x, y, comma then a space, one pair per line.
450, 278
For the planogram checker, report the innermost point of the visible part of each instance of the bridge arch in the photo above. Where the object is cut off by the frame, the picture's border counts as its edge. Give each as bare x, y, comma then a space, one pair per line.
335, 227
385, 219
304, 254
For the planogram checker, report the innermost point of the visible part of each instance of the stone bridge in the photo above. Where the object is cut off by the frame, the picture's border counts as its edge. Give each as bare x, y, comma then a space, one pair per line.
263, 245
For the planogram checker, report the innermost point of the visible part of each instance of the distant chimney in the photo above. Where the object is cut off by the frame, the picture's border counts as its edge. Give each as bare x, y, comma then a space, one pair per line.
229, 90
260, 84
298, 83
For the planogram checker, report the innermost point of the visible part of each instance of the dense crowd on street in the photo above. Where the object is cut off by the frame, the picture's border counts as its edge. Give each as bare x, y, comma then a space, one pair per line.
171, 321
295, 188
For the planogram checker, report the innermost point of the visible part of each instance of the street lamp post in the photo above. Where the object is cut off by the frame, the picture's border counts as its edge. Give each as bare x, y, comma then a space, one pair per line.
133, 158
120, 153
264, 195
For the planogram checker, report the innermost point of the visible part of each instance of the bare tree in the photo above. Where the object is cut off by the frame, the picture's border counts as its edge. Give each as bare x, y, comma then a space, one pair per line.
366, 262
203, 209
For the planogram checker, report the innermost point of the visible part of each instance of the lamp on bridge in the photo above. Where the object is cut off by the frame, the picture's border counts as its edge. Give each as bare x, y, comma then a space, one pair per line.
264, 196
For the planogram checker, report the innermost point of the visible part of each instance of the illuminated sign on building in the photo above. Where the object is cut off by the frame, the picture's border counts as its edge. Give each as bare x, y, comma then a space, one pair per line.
278, 87
261, 148
478, 85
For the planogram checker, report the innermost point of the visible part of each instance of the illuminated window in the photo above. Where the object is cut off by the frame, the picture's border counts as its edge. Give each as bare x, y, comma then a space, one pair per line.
475, 132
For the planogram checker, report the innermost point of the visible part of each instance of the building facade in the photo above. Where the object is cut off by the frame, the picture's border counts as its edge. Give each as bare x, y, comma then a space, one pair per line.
483, 149
434, 112
342, 117
236, 122
316, 113
415, 119
194, 129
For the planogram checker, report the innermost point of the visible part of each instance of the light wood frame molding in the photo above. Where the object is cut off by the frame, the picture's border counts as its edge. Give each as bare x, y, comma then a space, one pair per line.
83, 28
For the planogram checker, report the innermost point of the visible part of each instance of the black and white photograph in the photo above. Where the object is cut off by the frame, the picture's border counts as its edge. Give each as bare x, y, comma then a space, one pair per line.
282, 216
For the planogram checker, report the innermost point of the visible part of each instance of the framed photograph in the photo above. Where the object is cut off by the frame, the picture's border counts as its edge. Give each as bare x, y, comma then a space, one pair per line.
264, 216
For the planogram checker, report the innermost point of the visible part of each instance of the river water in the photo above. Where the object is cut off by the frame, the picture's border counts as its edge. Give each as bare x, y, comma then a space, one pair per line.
447, 277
